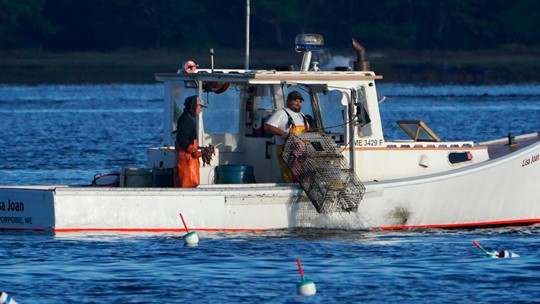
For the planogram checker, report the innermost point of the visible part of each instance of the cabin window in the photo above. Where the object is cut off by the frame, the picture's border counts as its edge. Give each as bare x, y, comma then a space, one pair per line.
332, 111
222, 114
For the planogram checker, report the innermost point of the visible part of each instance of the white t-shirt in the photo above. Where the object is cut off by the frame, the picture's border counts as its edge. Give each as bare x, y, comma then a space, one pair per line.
280, 120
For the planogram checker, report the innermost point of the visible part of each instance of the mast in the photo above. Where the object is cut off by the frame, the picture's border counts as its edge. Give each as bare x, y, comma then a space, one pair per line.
246, 64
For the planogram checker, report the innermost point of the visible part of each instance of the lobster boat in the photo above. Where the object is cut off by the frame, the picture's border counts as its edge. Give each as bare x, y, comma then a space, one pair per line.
349, 175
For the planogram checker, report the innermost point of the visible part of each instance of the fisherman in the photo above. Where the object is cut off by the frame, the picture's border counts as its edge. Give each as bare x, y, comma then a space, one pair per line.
284, 122
186, 171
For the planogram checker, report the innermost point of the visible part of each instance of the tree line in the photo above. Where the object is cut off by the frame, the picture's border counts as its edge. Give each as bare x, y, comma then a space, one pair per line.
108, 25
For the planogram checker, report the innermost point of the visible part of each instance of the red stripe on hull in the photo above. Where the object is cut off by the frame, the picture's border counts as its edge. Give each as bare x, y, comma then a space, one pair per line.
154, 230
22, 229
525, 222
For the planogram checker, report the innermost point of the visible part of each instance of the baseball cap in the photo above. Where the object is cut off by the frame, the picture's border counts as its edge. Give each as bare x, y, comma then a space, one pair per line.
294, 95
200, 102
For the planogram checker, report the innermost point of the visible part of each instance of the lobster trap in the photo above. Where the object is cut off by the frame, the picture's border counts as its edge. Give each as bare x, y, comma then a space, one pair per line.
323, 172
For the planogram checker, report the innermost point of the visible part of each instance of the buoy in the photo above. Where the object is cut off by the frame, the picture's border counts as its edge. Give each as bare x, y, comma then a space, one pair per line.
6, 299
189, 67
507, 254
190, 238
305, 287
492, 253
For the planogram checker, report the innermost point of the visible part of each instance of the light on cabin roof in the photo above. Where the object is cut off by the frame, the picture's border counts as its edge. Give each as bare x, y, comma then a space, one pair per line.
309, 42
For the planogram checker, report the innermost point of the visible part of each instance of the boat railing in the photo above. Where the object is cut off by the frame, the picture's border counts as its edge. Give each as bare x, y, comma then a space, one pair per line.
429, 145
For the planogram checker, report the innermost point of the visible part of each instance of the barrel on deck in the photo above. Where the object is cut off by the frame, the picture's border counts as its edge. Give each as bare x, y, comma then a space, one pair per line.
235, 174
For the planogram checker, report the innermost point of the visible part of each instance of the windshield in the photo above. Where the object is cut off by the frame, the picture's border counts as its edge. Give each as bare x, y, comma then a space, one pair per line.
332, 111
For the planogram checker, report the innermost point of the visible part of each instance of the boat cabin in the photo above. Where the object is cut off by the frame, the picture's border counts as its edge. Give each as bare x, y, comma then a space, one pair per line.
342, 104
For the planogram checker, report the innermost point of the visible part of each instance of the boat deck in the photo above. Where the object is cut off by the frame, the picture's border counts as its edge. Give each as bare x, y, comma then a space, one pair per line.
500, 148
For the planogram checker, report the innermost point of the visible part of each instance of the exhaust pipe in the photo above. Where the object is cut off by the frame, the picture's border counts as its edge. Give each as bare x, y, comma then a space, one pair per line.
361, 64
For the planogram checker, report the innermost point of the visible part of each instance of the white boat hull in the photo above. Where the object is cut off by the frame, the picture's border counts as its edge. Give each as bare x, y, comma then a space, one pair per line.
499, 192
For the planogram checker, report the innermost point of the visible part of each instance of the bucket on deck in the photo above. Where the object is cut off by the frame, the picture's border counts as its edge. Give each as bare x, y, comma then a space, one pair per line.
235, 174
136, 177
162, 177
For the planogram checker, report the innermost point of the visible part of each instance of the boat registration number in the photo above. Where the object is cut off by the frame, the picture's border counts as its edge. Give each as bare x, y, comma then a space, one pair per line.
368, 142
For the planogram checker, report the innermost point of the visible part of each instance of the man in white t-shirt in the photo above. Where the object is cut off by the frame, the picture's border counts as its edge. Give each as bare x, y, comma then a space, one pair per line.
284, 122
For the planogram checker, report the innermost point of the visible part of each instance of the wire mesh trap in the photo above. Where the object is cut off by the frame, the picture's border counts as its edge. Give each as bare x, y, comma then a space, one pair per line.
323, 172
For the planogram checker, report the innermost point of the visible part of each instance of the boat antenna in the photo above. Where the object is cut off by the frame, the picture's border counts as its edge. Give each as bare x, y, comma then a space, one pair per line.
212, 59
246, 64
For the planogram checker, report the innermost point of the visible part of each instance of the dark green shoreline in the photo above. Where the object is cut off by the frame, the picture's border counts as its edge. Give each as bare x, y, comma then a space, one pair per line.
24, 68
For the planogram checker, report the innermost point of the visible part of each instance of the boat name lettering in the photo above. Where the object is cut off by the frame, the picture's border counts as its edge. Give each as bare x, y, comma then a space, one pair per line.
368, 142
531, 160
11, 206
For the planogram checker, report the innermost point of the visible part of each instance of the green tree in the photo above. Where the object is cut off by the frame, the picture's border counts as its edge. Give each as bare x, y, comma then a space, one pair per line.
22, 24
197, 24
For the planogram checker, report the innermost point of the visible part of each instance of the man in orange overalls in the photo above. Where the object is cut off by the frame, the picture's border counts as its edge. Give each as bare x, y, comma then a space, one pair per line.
186, 171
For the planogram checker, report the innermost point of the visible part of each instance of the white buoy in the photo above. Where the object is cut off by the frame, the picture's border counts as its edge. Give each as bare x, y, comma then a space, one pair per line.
190, 238
305, 287
494, 254
505, 254
6, 299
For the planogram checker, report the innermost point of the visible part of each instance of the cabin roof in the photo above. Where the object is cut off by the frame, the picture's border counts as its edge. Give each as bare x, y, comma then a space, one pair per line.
272, 76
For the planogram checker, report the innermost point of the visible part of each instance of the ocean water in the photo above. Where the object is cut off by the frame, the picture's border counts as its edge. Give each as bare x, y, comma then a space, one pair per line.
345, 266
67, 134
